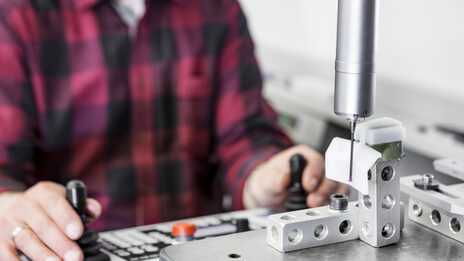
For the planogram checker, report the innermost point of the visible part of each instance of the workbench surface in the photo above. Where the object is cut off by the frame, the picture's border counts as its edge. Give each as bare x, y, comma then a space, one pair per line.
417, 243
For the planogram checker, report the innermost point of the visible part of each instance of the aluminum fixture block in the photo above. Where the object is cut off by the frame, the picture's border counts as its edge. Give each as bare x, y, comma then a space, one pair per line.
436, 218
379, 212
312, 227
441, 209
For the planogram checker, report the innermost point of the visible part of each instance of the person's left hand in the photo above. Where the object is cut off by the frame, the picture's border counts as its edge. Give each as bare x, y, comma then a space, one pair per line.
268, 184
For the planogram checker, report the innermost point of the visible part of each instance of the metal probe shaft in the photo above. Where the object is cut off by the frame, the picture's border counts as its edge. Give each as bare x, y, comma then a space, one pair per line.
353, 129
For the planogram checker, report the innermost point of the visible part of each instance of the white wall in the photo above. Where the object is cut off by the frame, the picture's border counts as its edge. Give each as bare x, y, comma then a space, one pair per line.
421, 42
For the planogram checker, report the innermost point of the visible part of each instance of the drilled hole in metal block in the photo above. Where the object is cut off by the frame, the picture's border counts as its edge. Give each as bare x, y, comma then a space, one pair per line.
455, 225
274, 234
287, 217
234, 256
366, 229
295, 236
345, 227
416, 210
435, 217
388, 202
388, 231
367, 201
313, 213
387, 173
320, 232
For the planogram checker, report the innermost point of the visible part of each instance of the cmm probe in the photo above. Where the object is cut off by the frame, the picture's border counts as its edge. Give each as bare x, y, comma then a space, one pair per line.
355, 62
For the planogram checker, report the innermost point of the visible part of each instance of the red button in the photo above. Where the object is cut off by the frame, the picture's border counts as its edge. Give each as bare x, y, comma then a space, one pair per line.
183, 229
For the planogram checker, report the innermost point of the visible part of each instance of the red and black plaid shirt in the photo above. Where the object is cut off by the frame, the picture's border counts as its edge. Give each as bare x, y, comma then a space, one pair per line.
159, 126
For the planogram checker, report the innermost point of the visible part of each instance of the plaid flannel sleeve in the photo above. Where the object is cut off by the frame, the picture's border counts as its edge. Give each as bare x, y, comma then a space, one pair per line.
247, 133
16, 112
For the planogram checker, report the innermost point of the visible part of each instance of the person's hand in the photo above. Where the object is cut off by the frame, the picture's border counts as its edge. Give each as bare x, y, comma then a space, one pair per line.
268, 184
49, 224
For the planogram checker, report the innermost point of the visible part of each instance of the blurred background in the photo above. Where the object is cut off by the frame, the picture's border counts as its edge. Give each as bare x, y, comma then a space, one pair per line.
419, 72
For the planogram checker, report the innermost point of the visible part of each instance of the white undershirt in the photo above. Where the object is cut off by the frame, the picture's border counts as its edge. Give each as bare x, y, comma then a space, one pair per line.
130, 11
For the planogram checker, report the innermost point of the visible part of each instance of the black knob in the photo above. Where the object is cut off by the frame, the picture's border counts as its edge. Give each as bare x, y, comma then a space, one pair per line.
76, 193
242, 225
297, 198
297, 165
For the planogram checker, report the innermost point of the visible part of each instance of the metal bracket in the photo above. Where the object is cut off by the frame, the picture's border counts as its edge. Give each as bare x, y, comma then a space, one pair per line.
440, 209
379, 212
312, 227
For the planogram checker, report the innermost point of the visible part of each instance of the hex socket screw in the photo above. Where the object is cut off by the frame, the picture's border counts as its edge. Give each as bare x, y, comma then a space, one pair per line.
338, 202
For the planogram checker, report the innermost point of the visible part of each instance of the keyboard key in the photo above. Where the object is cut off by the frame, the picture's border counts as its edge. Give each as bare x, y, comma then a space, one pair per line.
114, 240
143, 237
126, 236
122, 253
136, 250
150, 249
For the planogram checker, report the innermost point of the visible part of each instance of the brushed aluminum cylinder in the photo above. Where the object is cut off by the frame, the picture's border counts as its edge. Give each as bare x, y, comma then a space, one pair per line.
355, 61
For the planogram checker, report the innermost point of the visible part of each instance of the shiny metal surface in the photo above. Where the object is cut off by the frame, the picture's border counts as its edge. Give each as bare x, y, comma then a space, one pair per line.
312, 227
379, 212
436, 219
355, 62
416, 243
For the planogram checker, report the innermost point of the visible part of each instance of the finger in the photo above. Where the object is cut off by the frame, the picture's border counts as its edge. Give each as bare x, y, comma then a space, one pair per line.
28, 243
314, 170
47, 230
93, 208
280, 165
7, 252
321, 195
51, 198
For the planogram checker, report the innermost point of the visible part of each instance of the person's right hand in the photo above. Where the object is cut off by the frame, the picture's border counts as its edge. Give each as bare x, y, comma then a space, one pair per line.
52, 224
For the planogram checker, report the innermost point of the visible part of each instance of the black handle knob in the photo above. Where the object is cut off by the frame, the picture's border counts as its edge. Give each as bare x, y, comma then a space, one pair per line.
297, 165
76, 194
242, 225
297, 198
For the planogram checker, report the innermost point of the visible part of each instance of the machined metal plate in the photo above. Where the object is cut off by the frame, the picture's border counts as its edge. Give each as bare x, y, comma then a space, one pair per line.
448, 198
312, 227
440, 209
380, 211
437, 219
416, 243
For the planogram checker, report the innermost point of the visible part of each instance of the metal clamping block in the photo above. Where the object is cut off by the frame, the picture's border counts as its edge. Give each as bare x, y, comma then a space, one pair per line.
434, 205
312, 227
379, 211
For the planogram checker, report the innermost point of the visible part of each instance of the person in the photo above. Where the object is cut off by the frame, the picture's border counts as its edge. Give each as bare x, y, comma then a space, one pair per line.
155, 105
